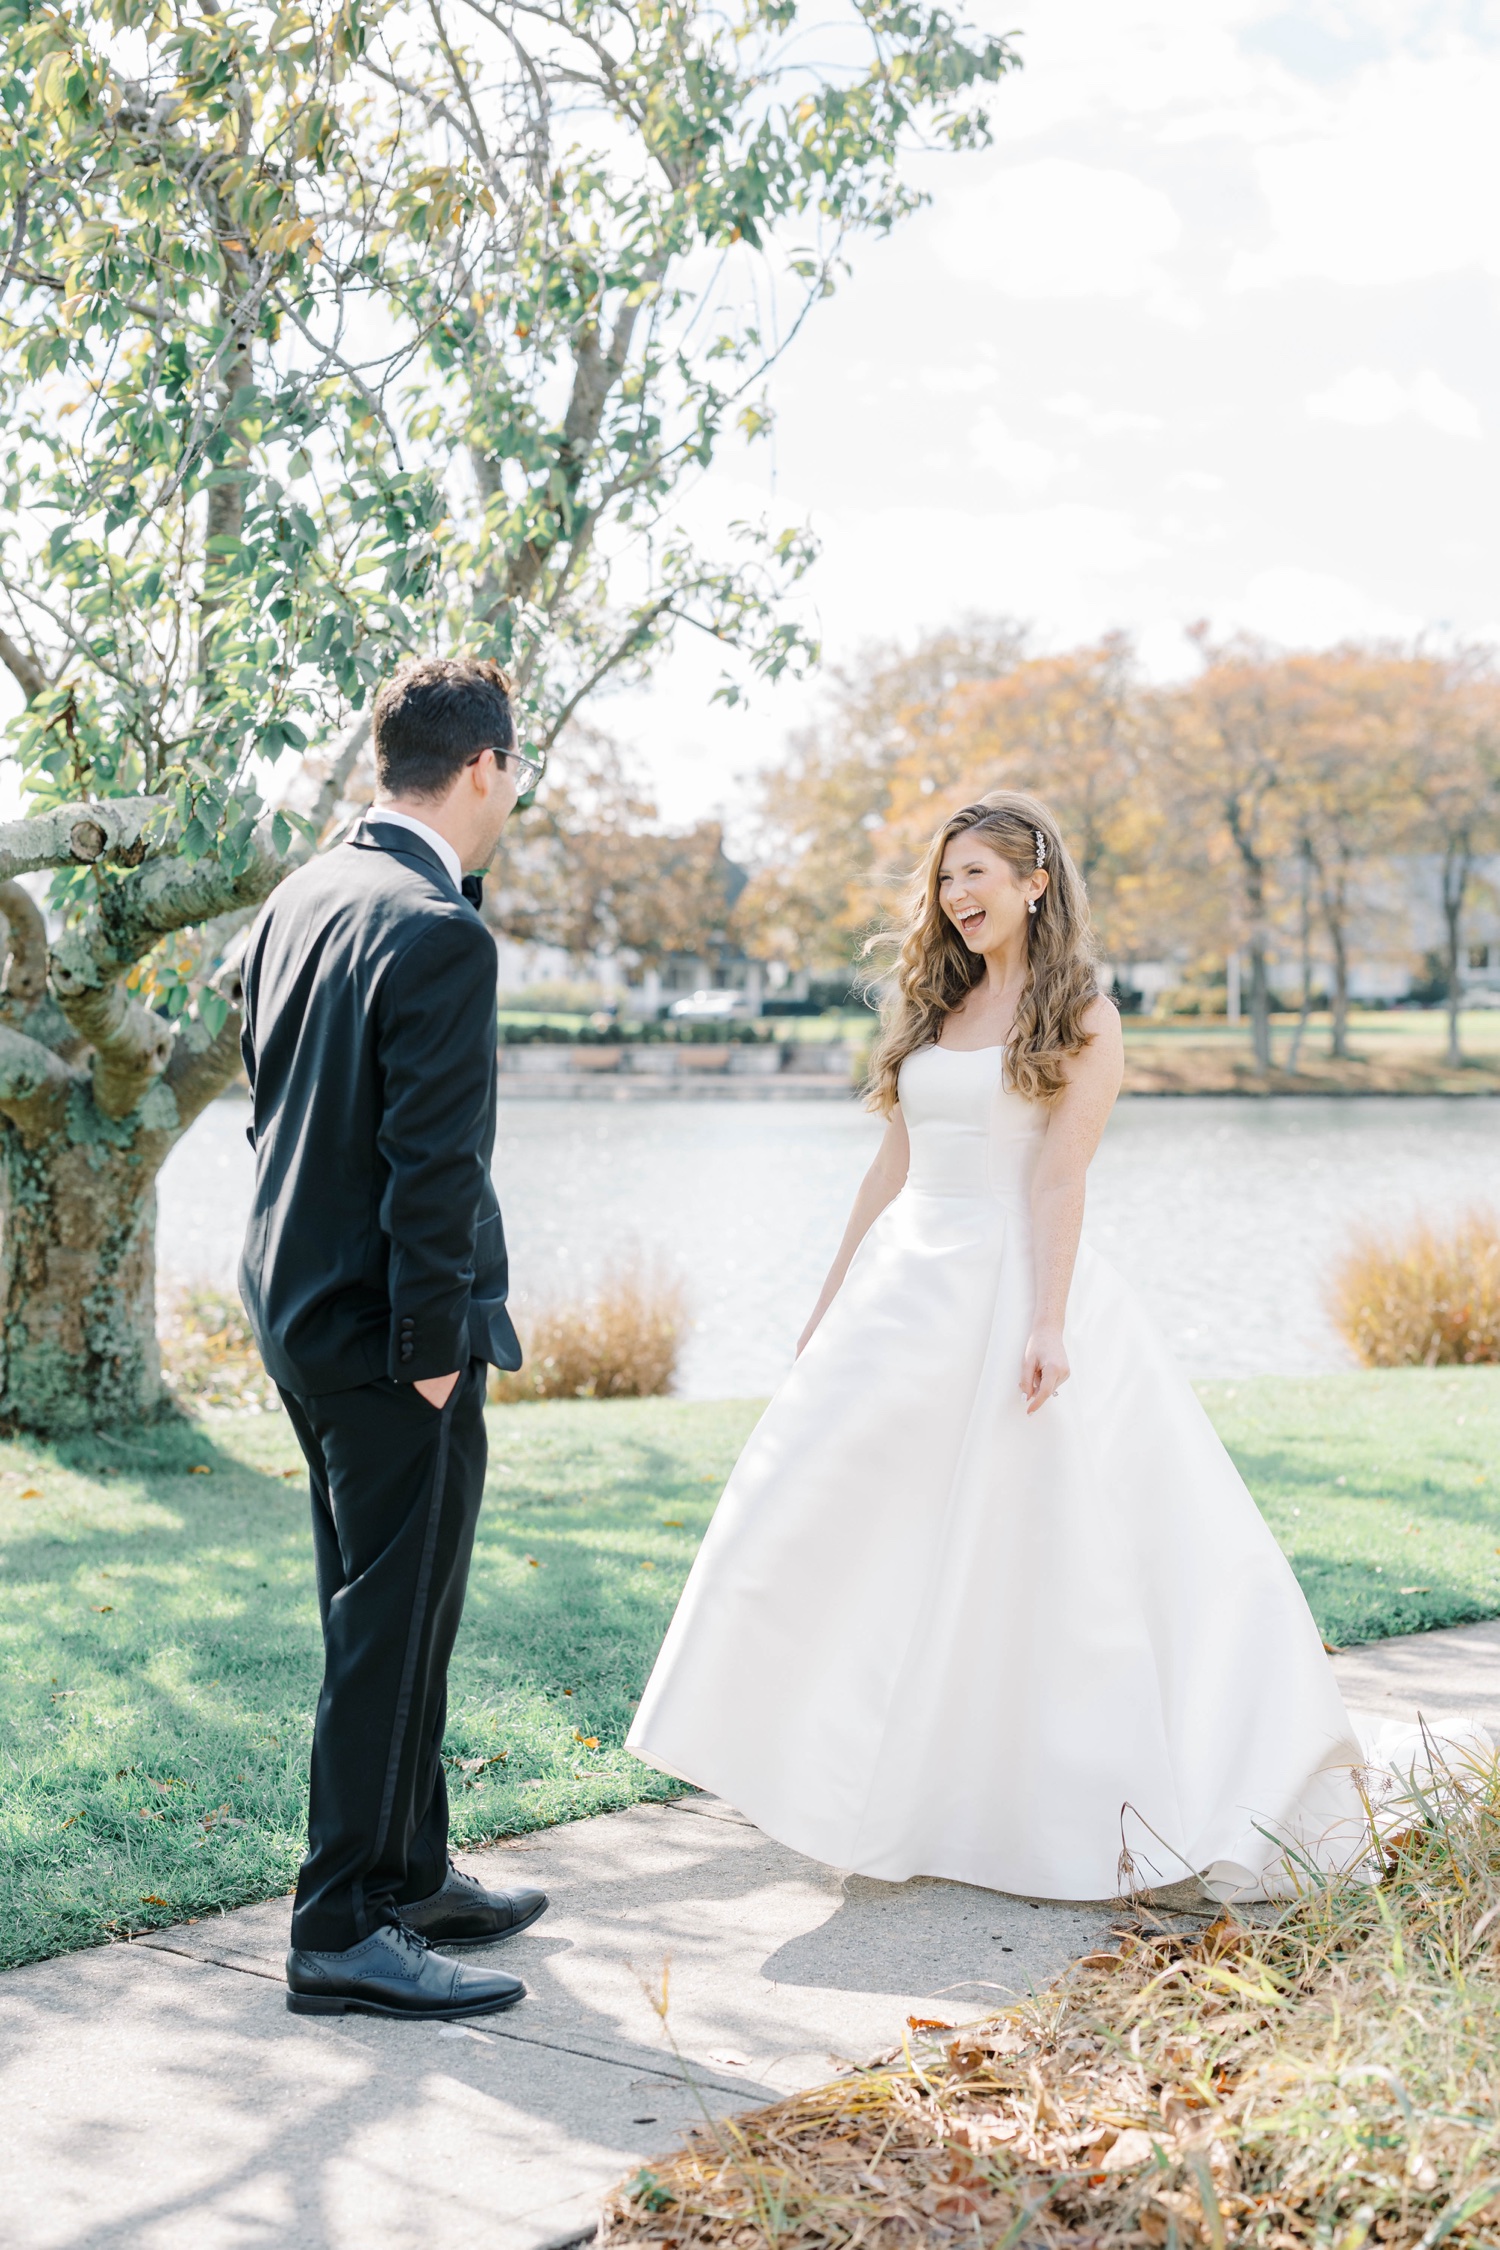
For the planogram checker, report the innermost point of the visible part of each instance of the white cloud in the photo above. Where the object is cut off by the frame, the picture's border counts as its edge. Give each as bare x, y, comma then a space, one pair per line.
1026, 466
1057, 228
956, 382
1445, 409
1100, 421
1309, 609
1367, 398
1401, 181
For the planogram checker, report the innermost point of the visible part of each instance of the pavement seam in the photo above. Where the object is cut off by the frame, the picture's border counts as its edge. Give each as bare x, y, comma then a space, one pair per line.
685, 2076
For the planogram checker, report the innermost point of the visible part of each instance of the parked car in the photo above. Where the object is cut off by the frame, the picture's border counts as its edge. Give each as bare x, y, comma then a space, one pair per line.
709, 1006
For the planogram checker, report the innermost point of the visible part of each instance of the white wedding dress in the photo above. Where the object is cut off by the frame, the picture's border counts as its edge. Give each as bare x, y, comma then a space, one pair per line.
927, 1634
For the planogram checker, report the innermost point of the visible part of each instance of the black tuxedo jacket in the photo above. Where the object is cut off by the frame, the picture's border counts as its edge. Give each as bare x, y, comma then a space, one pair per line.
375, 1246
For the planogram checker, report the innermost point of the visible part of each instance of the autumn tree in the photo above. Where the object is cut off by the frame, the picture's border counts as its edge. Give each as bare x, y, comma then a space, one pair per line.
1066, 728
823, 850
593, 871
1223, 742
1350, 783
330, 332
1453, 745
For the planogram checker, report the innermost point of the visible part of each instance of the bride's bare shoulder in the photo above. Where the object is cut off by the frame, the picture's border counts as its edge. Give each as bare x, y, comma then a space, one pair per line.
1103, 1059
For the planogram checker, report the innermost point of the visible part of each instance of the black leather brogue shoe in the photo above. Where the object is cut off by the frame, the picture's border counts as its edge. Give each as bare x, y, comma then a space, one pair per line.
394, 1972
463, 1912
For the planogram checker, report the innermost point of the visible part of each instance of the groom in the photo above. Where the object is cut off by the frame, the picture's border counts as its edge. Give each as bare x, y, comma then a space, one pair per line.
374, 1273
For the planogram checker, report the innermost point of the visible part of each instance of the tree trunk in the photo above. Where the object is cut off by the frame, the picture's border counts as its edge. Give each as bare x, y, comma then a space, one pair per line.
1457, 861
1254, 875
1304, 926
1336, 922
78, 1343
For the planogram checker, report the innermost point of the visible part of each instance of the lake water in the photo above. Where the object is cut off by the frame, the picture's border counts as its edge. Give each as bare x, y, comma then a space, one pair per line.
1225, 1213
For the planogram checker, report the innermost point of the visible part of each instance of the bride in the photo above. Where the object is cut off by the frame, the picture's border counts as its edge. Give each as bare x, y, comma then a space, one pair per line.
985, 1597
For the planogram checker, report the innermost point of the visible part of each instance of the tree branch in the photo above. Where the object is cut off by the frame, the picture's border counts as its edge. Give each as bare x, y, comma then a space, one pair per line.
34, 1085
173, 894
26, 974
77, 835
23, 668
131, 1042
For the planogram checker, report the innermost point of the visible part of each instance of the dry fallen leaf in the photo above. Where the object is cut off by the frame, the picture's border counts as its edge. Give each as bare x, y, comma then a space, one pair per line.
198, 1470
535, 1565
648, 1566
1133, 2147
589, 1741
728, 2057
34, 1492
149, 1898
102, 1609
671, 1523
929, 2023
1414, 1589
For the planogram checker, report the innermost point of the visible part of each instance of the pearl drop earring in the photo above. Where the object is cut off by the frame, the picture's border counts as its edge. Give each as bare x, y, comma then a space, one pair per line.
1031, 906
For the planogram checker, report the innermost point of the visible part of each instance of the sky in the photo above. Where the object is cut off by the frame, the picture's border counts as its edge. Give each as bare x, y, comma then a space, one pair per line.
1208, 332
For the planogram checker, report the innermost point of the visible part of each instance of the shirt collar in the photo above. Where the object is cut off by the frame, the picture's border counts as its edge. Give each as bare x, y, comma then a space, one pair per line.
429, 836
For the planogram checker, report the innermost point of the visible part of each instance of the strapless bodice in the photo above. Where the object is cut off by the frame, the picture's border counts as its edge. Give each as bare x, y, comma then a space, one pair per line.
971, 1133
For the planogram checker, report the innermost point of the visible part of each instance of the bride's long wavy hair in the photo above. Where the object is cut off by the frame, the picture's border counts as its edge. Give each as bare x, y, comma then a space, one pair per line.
935, 969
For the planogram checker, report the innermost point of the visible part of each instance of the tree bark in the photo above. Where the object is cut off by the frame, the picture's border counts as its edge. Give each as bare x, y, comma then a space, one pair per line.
1335, 903
1304, 927
1457, 865
78, 1343
1254, 873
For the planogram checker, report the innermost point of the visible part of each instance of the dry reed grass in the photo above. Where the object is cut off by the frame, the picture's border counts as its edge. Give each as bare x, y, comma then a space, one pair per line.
208, 1354
1328, 2078
622, 1341
1422, 1299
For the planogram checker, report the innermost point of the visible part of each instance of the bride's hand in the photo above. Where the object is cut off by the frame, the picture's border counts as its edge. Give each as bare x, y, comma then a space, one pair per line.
1044, 1367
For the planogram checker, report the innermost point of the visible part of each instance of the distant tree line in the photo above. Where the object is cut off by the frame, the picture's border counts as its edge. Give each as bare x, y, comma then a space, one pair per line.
1281, 806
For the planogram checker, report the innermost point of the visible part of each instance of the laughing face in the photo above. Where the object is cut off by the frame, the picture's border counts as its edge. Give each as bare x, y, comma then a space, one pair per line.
983, 896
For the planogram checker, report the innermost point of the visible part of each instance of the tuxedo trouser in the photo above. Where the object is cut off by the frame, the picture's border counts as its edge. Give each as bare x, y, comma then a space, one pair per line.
396, 1487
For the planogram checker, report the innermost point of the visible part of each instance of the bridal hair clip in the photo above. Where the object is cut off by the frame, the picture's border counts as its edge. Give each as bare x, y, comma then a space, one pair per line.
1041, 847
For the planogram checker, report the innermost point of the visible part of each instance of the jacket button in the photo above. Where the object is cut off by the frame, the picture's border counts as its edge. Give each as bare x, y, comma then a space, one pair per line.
408, 1351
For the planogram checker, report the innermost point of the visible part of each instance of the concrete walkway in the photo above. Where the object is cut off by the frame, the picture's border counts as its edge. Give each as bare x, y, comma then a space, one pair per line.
157, 2096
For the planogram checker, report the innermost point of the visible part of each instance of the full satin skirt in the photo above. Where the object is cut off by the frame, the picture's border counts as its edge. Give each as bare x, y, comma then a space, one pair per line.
1058, 1655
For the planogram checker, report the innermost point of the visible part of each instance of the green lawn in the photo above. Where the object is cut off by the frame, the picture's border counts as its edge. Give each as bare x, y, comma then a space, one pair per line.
158, 1635
1383, 1489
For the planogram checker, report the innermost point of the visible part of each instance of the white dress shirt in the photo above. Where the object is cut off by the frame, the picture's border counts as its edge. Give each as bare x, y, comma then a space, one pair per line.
440, 844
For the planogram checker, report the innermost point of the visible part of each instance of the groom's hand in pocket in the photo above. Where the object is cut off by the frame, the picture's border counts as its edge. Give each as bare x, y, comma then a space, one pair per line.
437, 1389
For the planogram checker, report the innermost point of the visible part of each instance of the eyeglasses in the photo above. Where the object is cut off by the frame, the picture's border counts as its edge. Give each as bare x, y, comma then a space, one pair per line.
528, 770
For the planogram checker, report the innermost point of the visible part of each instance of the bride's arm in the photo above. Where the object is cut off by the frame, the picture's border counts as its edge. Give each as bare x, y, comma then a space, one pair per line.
880, 1186
1078, 1119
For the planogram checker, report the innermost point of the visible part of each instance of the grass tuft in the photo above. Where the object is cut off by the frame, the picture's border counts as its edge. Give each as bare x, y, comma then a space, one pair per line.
623, 1341
1325, 2078
1424, 1298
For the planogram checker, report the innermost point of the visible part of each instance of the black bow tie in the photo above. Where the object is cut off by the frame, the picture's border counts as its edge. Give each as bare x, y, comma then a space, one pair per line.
472, 887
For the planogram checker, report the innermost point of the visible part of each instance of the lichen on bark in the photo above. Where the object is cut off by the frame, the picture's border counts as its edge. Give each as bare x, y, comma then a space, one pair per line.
96, 1088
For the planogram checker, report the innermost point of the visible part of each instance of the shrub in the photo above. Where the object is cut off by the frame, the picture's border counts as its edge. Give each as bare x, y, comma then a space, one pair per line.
208, 1353
1422, 1299
623, 1341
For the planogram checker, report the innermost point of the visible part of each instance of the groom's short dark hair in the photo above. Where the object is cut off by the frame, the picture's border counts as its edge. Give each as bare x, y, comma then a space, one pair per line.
430, 718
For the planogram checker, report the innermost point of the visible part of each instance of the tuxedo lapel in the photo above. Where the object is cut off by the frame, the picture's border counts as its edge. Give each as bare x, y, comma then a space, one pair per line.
375, 834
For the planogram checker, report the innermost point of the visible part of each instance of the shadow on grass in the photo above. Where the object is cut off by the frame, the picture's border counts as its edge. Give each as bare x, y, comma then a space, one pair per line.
160, 1626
